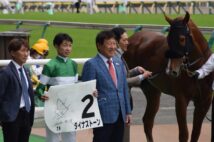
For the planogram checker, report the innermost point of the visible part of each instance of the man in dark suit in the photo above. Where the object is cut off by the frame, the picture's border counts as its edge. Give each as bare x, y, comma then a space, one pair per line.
113, 97
16, 95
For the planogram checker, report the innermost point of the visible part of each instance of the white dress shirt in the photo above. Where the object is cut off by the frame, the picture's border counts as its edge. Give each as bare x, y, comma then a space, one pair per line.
207, 68
22, 103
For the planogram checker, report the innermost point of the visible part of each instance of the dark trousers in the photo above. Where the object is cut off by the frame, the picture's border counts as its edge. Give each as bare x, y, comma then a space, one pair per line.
77, 5
18, 130
110, 132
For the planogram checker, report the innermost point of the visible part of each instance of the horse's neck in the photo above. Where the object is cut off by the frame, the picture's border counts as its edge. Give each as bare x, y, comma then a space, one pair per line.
202, 50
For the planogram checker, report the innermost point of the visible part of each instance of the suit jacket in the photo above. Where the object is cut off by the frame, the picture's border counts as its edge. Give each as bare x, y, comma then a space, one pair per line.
111, 99
132, 74
10, 94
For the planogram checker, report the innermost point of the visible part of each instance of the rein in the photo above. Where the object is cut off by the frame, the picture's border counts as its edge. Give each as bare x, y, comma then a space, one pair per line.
187, 64
155, 75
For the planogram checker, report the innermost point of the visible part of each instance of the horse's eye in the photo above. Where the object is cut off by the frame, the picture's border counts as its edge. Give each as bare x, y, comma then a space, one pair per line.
182, 40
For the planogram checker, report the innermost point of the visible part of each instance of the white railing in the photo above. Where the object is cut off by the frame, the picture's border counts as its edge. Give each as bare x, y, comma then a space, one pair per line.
43, 61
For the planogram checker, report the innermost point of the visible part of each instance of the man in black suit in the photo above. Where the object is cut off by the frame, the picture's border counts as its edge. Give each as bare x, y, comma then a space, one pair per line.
16, 95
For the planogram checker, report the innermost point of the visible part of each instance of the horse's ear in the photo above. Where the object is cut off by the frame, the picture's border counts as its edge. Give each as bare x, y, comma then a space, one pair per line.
169, 20
186, 18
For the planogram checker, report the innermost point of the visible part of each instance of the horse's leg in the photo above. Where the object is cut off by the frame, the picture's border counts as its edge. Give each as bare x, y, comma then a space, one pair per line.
181, 108
201, 108
153, 101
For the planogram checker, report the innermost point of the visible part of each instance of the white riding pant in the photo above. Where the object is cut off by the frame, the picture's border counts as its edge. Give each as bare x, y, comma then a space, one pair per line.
60, 137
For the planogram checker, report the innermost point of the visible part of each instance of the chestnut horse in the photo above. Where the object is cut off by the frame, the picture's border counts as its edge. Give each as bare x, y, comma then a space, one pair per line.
172, 59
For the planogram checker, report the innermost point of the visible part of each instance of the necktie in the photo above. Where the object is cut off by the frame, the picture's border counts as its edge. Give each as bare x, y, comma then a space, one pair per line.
112, 72
25, 91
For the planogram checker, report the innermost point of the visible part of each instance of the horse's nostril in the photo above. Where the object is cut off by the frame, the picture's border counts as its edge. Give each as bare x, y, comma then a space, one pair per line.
174, 73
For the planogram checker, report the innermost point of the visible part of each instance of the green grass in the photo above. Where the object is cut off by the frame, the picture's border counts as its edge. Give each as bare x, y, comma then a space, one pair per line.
84, 39
202, 20
34, 138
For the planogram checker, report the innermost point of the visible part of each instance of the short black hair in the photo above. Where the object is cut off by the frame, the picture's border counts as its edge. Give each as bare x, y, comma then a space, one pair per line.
118, 31
16, 44
60, 37
103, 35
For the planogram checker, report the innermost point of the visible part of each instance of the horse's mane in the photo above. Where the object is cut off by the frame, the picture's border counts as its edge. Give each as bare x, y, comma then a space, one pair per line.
198, 38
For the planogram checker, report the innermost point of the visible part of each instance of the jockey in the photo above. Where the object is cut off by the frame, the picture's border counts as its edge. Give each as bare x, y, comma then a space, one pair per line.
38, 51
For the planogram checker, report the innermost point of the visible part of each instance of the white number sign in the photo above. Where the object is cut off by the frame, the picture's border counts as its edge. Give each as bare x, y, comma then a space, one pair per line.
72, 107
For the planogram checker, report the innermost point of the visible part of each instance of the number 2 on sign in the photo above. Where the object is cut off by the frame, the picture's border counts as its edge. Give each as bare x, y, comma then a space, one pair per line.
85, 113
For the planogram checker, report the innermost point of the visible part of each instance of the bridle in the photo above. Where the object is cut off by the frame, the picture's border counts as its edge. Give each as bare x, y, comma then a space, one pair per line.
186, 64
188, 47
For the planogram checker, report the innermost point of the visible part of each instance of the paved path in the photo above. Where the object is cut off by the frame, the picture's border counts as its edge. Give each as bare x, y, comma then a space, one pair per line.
166, 113
162, 133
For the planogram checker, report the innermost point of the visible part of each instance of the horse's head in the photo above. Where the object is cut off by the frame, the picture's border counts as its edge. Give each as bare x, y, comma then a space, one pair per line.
180, 44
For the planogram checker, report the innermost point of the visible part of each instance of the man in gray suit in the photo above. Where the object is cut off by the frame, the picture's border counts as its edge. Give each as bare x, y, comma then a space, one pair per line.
16, 95
135, 75
113, 97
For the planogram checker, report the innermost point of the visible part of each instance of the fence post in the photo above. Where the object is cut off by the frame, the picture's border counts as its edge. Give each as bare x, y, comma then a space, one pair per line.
18, 24
211, 40
44, 29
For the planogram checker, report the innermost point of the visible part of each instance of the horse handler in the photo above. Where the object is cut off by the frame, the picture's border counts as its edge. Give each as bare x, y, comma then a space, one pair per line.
133, 76
202, 72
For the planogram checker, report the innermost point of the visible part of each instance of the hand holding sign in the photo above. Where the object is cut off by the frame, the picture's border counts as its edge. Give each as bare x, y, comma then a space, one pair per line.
72, 107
